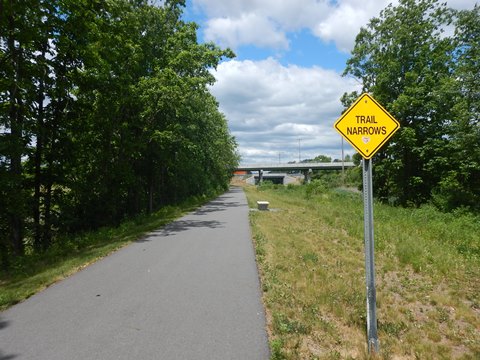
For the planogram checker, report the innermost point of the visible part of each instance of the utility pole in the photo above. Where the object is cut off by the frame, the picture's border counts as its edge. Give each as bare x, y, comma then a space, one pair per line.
299, 160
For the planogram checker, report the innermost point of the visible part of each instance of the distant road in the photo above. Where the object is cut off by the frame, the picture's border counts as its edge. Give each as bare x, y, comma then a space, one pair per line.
188, 291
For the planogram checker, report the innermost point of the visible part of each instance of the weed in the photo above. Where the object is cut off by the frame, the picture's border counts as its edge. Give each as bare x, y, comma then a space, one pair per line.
442, 314
284, 325
392, 328
410, 252
334, 355
276, 347
310, 257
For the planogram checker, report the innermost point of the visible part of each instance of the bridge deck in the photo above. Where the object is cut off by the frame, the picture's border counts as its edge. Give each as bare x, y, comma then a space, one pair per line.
296, 166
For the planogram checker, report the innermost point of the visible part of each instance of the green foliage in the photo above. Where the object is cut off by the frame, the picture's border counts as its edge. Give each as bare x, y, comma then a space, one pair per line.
460, 186
283, 325
267, 185
351, 177
276, 347
105, 114
312, 257
427, 80
316, 187
320, 158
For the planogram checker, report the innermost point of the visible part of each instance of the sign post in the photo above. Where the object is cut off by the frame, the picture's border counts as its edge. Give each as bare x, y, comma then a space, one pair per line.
366, 125
369, 256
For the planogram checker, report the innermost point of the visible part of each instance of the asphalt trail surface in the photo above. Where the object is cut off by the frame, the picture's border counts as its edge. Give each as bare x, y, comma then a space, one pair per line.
187, 291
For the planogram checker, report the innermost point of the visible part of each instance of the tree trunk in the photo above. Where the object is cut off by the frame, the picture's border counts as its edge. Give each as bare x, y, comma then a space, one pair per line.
38, 163
16, 130
47, 229
150, 196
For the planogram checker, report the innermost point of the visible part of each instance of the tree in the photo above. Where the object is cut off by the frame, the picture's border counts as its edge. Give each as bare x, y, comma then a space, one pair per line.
405, 62
17, 47
136, 99
322, 158
460, 184
105, 113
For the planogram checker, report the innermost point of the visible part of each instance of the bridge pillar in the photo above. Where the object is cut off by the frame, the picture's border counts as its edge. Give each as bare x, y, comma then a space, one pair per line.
260, 176
308, 176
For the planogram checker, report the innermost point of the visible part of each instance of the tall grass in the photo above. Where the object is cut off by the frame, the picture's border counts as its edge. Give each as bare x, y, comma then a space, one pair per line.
311, 259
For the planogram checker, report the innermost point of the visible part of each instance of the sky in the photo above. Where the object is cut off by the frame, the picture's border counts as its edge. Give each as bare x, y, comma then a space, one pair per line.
281, 93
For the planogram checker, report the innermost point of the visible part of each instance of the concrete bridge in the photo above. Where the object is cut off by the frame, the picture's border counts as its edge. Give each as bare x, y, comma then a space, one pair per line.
305, 168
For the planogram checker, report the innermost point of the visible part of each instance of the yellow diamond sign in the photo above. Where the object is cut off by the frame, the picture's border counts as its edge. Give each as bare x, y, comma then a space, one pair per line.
366, 125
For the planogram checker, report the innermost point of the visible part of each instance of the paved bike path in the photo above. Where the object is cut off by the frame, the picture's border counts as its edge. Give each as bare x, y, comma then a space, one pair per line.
187, 291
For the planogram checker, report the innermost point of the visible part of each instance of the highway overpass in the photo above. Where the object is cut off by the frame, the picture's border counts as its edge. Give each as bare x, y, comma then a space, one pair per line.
305, 168
296, 166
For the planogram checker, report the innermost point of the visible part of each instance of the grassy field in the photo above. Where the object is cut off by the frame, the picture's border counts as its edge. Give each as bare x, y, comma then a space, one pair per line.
311, 259
33, 273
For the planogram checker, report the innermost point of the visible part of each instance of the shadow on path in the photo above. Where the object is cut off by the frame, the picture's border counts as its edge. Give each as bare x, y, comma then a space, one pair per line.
7, 357
220, 204
216, 205
3, 325
179, 226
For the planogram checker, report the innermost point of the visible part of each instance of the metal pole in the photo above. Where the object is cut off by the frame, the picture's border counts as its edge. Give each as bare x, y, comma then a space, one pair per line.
369, 257
299, 161
343, 165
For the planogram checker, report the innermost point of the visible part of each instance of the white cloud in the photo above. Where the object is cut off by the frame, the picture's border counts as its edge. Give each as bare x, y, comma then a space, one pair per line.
290, 14
461, 4
235, 23
244, 30
270, 106
266, 23
345, 20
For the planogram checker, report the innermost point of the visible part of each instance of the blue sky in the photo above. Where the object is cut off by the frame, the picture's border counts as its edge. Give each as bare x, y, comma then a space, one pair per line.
285, 84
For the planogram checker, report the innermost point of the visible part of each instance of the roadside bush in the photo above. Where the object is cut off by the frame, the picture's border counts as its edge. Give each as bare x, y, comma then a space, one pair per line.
267, 185
350, 177
316, 187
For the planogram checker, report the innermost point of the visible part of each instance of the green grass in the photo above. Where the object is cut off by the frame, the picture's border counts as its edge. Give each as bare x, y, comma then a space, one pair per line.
311, 259
35, 272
